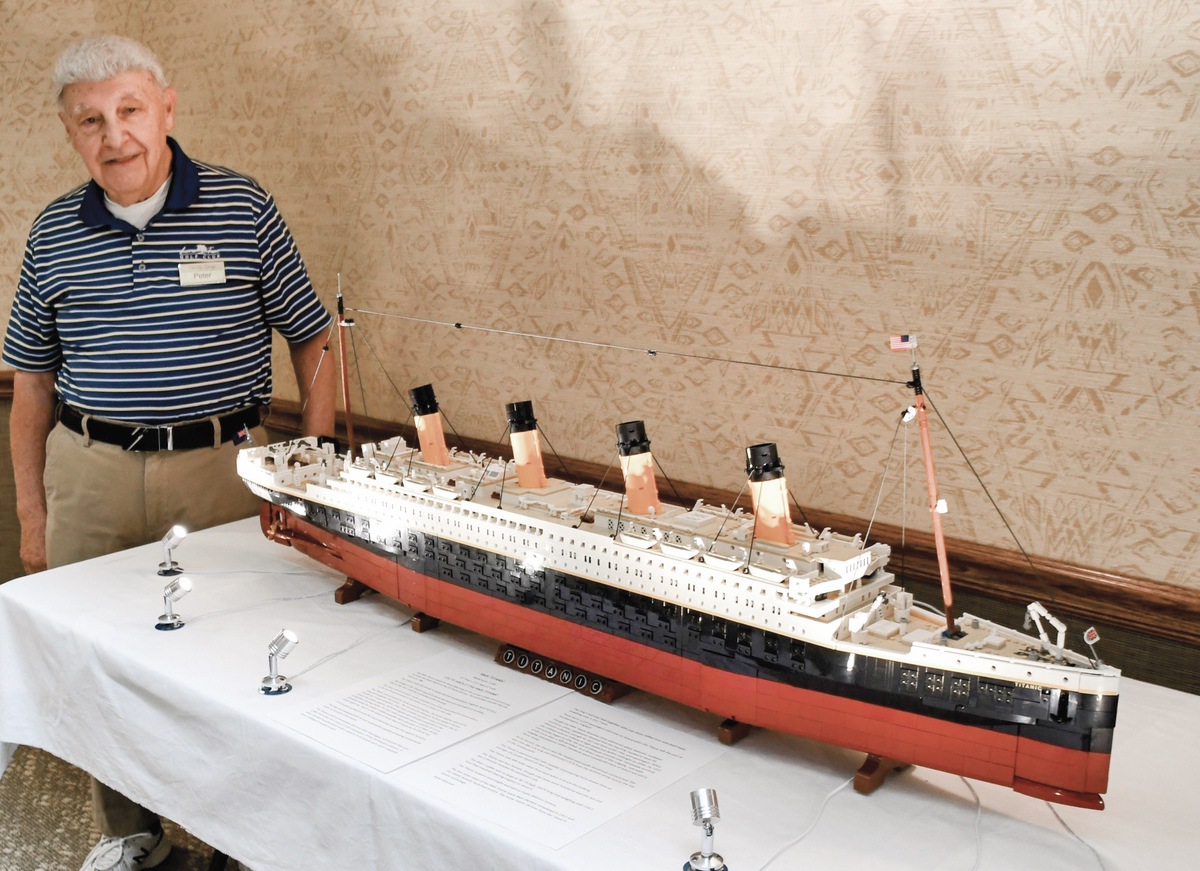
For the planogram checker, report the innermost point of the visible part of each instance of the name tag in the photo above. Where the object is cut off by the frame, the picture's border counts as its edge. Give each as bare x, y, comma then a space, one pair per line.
197, 272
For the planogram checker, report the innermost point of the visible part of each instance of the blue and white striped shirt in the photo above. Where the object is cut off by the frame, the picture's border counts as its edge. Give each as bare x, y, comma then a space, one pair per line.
103, 305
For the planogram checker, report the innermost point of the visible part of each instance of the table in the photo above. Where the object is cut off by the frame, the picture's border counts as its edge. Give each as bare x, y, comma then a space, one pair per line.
174, 720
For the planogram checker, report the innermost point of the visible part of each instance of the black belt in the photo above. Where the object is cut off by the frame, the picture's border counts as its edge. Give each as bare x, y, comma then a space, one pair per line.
174, 437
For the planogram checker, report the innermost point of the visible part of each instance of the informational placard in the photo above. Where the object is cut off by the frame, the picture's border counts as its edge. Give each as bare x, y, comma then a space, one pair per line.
560, 771
403, 715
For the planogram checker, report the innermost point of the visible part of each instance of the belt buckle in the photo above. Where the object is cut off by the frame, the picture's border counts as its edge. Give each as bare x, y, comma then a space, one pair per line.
140, 432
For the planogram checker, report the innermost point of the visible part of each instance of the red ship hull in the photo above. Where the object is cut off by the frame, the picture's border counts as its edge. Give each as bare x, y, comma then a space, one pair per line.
1046, 771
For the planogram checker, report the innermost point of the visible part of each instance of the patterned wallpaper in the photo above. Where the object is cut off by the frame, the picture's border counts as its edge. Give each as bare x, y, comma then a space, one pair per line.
761, 191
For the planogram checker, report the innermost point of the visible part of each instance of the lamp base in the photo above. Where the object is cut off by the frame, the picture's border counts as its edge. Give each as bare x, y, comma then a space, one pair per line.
275, 686
169, 569
166, 624
700, 862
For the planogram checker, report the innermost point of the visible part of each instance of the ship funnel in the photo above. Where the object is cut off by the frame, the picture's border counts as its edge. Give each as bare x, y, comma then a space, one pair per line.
526, 446
768, 491
638, 465
428, 419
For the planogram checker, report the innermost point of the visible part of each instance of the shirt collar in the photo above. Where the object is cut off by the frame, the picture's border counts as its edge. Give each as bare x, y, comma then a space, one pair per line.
184, 191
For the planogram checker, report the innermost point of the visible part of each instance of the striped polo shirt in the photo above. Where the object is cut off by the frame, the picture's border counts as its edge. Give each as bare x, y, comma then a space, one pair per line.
169, 323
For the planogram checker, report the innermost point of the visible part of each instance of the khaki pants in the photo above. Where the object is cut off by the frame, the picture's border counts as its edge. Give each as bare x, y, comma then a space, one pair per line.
101, 499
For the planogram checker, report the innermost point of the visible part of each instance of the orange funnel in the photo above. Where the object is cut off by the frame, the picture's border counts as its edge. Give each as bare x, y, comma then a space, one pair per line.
768, 492
638, 465
527, 448
428, 419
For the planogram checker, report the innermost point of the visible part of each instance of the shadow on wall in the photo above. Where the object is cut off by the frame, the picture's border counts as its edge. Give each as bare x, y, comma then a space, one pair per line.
549, 215
10, 532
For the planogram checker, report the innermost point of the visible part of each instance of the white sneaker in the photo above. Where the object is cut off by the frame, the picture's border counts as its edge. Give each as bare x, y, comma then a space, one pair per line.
134, 853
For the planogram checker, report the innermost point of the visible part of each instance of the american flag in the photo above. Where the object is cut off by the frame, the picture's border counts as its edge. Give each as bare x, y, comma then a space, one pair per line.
903, 343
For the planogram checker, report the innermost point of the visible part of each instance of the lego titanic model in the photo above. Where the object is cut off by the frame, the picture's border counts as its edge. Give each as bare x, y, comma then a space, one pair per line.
747, 615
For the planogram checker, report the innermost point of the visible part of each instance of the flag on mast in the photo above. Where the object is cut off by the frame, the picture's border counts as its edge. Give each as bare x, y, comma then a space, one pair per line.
903, 343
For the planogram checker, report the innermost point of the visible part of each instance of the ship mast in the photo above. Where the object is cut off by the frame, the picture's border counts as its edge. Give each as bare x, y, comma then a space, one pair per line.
936, 506
342, 323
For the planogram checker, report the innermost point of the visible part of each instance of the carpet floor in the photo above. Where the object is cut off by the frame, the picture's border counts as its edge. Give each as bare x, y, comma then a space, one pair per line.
46, 821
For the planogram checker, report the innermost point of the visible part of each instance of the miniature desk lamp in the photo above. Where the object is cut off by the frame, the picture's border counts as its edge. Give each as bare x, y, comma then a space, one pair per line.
281, 645
174, 535
175, 590
705, 813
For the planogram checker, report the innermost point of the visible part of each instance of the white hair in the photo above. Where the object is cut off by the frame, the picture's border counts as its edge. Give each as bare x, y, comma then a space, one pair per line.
102, 57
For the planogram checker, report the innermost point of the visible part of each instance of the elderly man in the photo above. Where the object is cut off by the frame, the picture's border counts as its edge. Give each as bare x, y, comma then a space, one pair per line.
141, 336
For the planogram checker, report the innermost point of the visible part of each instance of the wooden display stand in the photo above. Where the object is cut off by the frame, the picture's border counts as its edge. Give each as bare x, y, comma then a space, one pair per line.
871, 774
422, 622
350, 591
731, 731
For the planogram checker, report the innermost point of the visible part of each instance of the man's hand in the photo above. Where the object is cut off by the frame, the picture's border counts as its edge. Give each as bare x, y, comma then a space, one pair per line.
33, 545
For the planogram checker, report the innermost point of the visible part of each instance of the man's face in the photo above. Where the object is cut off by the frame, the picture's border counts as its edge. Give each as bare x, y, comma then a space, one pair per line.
119, 127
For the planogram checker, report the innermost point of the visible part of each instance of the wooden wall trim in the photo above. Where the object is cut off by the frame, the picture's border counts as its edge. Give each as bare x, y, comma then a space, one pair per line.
1150, 607
1139, 604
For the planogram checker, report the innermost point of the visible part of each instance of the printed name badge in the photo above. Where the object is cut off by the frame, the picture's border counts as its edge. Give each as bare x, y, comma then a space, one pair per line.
193, 273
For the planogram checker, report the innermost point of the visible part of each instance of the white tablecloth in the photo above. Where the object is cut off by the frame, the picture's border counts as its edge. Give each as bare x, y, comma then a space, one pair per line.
174, 720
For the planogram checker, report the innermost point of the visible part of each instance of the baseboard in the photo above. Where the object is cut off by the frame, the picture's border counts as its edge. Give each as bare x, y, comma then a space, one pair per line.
1139, 604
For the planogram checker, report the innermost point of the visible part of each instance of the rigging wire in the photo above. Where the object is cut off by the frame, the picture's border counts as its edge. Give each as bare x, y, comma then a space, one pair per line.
882, 481
667, 478
566, 471
307, 394
483, 474
362, 391
503, 472
620, 514
986, 492
753, 536
317, 370
799, 508
453, 429
728, 514
596, 492
650, 352
378, 362
399, 441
